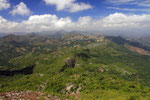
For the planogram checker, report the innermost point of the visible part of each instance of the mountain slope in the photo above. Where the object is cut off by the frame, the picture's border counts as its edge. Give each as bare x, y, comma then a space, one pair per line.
82, 67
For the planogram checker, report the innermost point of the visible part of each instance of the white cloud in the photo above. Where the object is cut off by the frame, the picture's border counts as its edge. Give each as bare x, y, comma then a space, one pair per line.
45, 22
79, 7
21, 9
129, 9
4, 4
142, 3
119, 20
145, 3
114, 22
68, 5
7, 26
59, 4
120, 1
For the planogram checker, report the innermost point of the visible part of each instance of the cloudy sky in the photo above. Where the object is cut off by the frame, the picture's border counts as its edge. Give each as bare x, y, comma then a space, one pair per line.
126, 16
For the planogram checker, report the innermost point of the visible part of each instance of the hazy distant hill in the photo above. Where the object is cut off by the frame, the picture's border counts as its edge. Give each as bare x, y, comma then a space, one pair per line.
145, 39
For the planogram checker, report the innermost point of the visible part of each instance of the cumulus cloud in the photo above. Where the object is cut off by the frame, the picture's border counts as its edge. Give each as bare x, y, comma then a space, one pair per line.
68, 5
44, 22
4, 4
21, 9
7, 26
112, 23
79, 7
120, 20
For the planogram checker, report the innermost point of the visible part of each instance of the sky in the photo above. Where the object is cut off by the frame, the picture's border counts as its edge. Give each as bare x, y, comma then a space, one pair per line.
124, 16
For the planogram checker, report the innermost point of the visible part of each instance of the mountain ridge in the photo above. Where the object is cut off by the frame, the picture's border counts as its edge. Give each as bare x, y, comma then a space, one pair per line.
76, 66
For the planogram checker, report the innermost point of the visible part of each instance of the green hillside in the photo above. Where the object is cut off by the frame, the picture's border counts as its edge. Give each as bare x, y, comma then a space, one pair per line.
76, 66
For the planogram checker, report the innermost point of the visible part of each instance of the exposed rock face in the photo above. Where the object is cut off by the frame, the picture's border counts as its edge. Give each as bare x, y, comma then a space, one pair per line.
69, 63
101, 70
68, 88
73, 91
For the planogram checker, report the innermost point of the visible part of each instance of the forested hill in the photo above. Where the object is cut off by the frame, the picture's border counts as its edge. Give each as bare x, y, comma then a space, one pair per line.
75, 66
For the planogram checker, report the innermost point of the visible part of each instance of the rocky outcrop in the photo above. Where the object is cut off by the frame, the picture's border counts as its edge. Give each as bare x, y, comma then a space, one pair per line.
71, 62
26, 95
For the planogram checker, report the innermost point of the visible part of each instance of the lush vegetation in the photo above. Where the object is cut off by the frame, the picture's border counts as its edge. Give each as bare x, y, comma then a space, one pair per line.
93, 68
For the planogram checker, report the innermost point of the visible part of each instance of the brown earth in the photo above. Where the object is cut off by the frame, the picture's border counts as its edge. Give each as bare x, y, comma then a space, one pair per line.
138, 50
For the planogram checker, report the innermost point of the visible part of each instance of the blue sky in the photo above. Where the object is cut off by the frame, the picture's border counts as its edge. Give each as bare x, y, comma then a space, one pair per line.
39, 7
99, 8
68, 13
